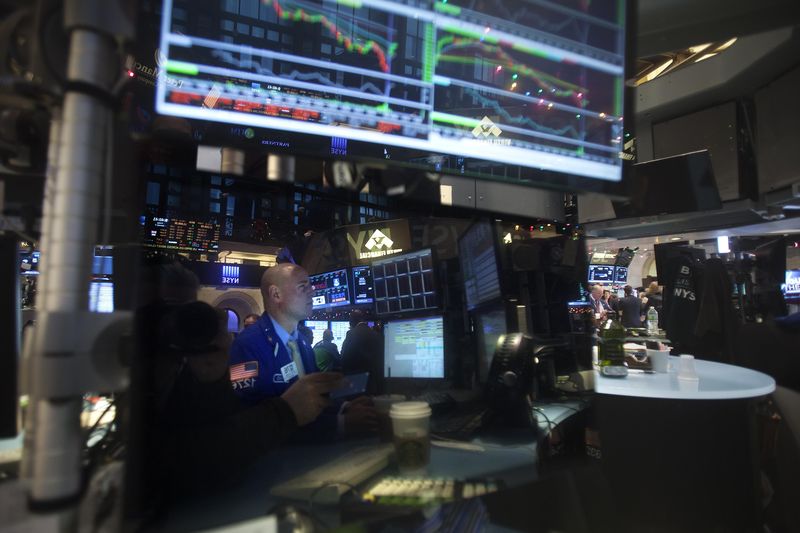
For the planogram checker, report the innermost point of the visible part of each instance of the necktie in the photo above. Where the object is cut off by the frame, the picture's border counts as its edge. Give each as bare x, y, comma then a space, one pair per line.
294, 350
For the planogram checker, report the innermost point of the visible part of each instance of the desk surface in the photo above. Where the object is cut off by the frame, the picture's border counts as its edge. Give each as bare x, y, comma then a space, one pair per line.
718, 381
509, 455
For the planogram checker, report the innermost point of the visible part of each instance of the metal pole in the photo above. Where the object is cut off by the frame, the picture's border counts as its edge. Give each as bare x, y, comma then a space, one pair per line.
69, 232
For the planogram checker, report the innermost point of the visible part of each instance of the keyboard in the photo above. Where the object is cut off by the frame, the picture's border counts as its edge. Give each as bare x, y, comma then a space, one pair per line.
327, 483
402, 491
462, 423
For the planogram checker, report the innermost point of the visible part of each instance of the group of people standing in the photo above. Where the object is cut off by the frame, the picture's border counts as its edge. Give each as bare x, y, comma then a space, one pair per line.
631, 309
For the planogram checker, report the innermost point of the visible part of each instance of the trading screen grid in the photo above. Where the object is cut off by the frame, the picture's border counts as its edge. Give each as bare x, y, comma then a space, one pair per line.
534, 83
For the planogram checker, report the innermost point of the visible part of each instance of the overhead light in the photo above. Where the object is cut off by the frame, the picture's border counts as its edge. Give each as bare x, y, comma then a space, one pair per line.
699, 48
704, 57
727, 44
675, 238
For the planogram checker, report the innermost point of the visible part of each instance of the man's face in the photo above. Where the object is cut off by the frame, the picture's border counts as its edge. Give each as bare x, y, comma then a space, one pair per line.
597, 293
296, 294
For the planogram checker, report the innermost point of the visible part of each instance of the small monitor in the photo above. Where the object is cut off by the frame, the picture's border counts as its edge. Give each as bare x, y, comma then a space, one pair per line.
363, 288
490, 324
791, 287
339, 329
601, 274
181, 234
405, 283
317, 327
477, 251
330, 289
621, 275
414, 348
101, 297
29, 264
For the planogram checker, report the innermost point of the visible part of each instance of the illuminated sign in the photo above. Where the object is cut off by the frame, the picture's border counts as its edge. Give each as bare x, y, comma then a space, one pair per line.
373, 241
230, 274
792, 283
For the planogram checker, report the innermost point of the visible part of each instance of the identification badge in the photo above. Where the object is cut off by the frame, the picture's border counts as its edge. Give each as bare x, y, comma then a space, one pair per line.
289, 372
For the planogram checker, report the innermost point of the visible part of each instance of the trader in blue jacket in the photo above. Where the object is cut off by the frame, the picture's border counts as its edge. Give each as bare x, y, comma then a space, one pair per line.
268, 357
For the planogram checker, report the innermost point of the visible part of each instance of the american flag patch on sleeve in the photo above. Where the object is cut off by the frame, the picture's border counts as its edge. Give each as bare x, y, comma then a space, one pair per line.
248, 369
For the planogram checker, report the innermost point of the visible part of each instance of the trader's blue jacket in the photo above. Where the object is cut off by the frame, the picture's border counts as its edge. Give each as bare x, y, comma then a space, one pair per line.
260, 343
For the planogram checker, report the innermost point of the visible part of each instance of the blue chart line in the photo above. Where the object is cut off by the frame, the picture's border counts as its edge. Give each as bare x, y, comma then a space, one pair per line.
493, 104
227, 57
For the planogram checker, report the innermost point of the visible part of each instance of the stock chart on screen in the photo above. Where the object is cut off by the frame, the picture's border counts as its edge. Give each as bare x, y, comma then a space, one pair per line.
533, 83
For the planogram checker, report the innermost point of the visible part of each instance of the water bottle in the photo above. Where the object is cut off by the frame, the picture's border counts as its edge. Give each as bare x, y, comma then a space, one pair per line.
652, 320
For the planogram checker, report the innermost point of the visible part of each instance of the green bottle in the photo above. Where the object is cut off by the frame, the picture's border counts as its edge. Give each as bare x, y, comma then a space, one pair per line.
612, 338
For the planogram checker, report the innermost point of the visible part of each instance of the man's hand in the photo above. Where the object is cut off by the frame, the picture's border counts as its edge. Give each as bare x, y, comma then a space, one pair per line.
360, 417
306, 395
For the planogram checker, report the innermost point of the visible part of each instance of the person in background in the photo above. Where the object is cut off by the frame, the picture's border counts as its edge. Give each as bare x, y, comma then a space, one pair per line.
605, 300
362, 351
249, 320
643, 299
596, 299
327, 353
270, 356
306, 334
654, 299
630, 309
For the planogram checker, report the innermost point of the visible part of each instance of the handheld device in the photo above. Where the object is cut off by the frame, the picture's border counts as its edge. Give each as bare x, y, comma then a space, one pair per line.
352, 385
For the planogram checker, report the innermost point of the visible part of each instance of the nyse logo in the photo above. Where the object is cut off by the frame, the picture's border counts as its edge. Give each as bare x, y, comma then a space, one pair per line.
378, 244
485, 128
230, 275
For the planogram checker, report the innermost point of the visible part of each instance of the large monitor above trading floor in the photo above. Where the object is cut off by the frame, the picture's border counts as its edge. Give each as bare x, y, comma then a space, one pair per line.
405, 283
449, 86
414, 348
601, 274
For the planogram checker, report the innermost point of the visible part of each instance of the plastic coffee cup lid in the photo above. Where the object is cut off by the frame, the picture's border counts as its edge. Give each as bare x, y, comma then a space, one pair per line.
410, 410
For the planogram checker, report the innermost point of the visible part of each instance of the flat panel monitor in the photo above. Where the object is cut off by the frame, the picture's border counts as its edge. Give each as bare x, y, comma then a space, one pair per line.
490, 324
363, 287
29, 263
426, 84
330, 289
414, 348
477, 252
679, 184
101, 296
601, 274
791, 287
340, 329
181, 234
621, 274
317, 327
405, 283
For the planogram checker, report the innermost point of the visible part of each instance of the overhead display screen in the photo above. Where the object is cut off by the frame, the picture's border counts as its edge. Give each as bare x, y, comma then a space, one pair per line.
180, 234
404, 283
621, 274
530, 84
476, 251
330, 289
363, 289
601, 274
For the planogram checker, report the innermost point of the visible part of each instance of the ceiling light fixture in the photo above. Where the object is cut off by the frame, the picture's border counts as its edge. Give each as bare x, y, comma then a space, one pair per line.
727, 44
704, 57
699, 48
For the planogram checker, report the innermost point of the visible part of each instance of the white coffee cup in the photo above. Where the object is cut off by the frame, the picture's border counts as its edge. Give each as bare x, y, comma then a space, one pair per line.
659, 359
383, 404
412, 443
686, 369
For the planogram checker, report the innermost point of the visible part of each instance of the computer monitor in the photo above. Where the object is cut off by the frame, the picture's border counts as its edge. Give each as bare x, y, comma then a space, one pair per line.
456, 87
101, 296
317, 327
29, 263
405, 283
330, 289
489, 325
414, 348
363, 287
791, 287
477, 252
601, 274
621, 274
339, 329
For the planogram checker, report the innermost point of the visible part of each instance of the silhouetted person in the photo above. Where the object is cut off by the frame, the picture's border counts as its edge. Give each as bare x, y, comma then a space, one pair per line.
362, 351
